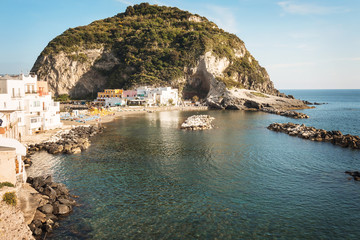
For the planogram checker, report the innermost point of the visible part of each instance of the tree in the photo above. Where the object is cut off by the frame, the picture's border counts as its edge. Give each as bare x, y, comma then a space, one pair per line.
195, 99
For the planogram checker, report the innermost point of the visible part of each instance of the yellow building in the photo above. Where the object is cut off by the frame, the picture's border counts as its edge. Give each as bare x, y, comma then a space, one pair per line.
109, 93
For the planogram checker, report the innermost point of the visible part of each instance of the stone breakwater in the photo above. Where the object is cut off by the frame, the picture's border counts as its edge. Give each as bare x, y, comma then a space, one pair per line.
56, 202
291, 114
198, 122
354, 174
71, 141
319, 135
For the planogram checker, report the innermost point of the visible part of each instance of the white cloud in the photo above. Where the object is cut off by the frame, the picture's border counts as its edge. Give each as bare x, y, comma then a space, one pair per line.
293, 7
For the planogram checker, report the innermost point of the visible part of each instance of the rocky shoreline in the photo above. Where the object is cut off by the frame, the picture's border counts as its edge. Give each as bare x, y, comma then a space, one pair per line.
319, 135
56, 202
71, 141
198, 122
290, 114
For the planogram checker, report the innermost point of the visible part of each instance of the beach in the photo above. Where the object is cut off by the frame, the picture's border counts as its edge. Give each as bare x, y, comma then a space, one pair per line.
68, 124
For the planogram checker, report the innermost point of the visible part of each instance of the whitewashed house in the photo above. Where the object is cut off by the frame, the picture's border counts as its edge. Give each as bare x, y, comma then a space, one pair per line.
115, 101
165, 96
32, 102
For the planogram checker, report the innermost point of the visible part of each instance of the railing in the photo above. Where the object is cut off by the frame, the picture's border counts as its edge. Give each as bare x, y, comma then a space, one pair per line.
31, 92
17, 96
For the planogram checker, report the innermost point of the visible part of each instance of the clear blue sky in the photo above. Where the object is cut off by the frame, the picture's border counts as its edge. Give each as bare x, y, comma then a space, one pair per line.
302, 43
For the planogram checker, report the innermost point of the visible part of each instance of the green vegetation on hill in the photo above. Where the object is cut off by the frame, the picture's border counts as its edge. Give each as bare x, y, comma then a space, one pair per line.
153, 45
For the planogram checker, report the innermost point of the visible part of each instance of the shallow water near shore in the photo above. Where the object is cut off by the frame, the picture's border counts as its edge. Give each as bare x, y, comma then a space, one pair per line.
144, 178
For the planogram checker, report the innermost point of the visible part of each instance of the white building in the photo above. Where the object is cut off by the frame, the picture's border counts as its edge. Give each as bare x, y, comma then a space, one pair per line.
31, 100
165, 96
115, 101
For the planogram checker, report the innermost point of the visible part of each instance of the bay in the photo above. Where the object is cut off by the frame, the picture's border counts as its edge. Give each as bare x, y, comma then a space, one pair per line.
144, 178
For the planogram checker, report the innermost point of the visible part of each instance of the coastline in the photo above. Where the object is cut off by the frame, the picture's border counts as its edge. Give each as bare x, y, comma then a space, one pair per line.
22, 215
67, 124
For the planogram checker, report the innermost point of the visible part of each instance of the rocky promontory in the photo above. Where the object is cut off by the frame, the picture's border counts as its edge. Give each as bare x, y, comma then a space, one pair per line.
319, 135
159, 46
198, 122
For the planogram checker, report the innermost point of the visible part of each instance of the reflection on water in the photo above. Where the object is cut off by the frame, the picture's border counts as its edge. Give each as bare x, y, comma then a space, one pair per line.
144, 178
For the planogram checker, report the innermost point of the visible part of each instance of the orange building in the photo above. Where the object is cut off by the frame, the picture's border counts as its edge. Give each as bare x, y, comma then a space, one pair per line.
42, 88
110, 93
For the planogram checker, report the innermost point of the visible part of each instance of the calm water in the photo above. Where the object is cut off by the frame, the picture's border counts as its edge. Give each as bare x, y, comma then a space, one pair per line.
143, 178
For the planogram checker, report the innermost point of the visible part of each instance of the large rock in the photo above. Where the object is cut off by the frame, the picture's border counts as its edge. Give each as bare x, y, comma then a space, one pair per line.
198, 122
47, 209
50, 192
61, 209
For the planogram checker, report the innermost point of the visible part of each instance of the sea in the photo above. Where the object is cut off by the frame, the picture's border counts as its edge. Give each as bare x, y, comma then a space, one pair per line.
144, 178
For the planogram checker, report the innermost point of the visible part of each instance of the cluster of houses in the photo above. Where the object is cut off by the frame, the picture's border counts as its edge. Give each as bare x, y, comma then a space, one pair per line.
26, 106
144, 96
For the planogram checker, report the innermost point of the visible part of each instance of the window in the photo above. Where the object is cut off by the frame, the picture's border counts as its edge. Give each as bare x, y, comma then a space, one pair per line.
33, 120
36, 103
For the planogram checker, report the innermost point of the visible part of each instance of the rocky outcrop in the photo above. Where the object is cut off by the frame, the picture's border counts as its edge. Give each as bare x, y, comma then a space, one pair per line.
185, 51
71, 141
290, 114
67, 73
319, 135
354, 174
56, 202
198, 122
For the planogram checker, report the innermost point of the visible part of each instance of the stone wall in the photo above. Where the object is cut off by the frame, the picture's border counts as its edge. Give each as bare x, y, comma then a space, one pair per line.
7, 165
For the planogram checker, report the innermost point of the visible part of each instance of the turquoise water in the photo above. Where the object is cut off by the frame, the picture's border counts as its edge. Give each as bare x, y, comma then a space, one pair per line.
143, 178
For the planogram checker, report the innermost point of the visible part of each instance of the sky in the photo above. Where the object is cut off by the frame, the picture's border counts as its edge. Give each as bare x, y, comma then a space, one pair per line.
303, 44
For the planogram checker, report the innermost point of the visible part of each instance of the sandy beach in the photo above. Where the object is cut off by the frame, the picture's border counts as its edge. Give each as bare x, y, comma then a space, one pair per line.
67, 124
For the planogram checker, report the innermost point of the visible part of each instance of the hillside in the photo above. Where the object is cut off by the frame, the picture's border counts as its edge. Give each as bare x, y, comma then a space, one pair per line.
150, 45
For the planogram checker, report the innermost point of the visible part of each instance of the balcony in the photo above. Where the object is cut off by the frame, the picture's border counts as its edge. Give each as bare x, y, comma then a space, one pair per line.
17, 96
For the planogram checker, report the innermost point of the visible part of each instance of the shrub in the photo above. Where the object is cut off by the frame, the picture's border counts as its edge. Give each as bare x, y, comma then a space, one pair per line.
10, 198
6, 184
63, 98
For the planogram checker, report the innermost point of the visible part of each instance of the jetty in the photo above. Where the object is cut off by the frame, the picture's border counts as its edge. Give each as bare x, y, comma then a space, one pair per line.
318, 135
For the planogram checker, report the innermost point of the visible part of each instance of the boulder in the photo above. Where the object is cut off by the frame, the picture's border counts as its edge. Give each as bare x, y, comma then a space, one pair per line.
68, 202
47, 209
75, 150
61, 209
50, 192
63, 189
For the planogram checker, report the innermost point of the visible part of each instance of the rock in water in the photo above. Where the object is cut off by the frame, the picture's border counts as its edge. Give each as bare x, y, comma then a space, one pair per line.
198, 122
318, 135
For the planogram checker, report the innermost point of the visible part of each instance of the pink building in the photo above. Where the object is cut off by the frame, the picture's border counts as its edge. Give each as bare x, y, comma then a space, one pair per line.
129, 93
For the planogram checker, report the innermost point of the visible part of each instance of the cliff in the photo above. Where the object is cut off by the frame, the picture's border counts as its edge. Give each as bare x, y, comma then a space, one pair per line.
151, 45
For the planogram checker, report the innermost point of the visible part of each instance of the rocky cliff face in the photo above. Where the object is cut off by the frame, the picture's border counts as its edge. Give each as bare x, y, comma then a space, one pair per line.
152, 45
